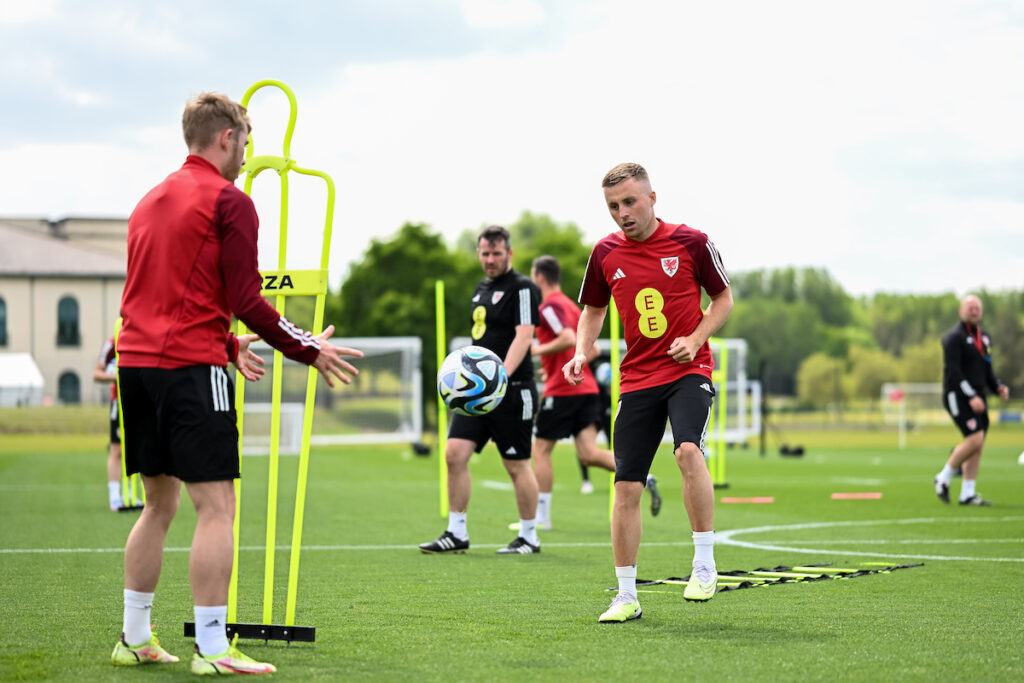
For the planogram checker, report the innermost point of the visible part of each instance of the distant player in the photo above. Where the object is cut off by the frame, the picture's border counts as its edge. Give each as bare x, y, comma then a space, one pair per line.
105, 371
967, 377
566, 409
655, 271
504, 314
192, 263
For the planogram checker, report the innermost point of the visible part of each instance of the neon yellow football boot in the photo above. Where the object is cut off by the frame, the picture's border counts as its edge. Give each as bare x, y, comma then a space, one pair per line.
231, 661
148, 652
703, 583
623, 608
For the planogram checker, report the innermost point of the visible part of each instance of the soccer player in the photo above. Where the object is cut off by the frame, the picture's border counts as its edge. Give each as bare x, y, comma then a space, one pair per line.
192, 262
655, 271
106, 367
566, 409
967, 377
504, 314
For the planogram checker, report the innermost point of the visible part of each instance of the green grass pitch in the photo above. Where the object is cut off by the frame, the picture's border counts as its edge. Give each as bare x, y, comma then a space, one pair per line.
385, 612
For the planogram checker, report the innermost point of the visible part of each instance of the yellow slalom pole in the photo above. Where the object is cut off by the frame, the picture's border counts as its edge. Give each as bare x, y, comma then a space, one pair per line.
282, 283
722, 414
614, 325
307, 414
442, 411
237, 525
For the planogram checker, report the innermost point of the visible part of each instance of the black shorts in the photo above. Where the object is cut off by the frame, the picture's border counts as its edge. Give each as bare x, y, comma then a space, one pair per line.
959, 408
564, 416
510, 424
640, 422
180, 422
115, 424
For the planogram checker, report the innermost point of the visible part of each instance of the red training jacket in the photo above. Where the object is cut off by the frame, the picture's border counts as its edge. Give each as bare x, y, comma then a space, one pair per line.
191, 264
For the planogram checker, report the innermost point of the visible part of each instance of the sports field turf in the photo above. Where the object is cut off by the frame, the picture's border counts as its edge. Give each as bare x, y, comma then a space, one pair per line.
383, 611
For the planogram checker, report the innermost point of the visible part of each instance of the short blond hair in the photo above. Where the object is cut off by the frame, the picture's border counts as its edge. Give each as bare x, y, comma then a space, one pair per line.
624, 172
209, 113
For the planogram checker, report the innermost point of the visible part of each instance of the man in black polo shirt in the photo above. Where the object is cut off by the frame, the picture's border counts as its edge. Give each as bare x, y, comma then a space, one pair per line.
966, 378
504, 314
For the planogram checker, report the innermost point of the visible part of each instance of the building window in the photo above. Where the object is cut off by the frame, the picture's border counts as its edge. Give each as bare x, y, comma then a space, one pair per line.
69, 389
3, 322
67, 322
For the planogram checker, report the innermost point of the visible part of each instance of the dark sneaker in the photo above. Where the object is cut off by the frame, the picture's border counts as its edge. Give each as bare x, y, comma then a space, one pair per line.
975, 500
447, 543
520, 546
652, 486
942, 491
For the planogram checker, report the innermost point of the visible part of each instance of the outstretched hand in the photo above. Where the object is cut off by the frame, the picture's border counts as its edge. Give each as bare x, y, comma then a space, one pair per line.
248, 363
573, 370
329, 362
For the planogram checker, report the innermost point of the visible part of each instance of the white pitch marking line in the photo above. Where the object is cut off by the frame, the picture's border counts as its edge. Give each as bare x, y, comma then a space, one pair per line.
728, 538
903, 541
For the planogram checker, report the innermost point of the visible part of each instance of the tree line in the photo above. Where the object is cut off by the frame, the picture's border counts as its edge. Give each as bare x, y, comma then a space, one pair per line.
807, 337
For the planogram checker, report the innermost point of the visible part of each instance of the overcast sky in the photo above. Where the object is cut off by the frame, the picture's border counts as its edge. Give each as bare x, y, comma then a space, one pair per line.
880, 140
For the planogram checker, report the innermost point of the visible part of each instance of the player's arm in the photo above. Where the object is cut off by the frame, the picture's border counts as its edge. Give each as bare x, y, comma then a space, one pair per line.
587, 330
519, 348
993, 382
684, 349
566, 339
239, 270
100, 374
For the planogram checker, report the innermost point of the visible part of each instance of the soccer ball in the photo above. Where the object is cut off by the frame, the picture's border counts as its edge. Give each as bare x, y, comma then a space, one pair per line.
472, 381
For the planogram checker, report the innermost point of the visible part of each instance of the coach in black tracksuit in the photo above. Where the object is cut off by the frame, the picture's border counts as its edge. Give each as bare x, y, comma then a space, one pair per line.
966, 379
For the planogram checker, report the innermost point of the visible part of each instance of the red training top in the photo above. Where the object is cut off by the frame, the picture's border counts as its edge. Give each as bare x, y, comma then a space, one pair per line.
556, 313
656, 284
191, 264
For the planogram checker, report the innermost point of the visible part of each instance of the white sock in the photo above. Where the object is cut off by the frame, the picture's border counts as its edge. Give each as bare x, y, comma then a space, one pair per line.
137, 607
704, 547
627, 580
967, 488
543, 508
528, 530
114, 491
211, 629
457, 525
946, 475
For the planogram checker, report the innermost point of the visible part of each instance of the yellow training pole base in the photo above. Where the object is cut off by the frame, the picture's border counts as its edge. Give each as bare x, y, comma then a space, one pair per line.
264, 632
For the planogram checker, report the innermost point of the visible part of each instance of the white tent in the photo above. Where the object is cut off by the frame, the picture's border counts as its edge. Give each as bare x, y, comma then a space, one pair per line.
21, 383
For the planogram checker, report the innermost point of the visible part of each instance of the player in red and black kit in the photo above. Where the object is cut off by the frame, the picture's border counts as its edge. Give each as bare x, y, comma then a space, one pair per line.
504, 314
655, 271
566, 409
192, 262
967, 377
105, 371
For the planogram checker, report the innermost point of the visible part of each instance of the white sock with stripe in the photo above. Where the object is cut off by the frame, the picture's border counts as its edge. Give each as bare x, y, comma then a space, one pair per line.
137, 608
211, 629
457, 525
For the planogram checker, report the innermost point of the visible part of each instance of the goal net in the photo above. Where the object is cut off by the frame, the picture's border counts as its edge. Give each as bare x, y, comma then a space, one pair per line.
381, 405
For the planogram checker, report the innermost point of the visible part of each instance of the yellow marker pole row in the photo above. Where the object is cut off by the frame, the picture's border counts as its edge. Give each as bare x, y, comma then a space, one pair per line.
442, 411
615, 361
129, 496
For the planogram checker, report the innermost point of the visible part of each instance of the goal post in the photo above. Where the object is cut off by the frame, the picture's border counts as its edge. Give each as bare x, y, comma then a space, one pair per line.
911, 405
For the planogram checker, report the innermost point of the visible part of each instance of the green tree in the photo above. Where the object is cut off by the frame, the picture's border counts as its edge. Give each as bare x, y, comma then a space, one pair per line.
922, 362
390, 293
779, 334
869, 370
819, 381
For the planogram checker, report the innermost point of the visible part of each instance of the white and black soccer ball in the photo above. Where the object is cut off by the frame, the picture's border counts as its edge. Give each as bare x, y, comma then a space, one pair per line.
472, 381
